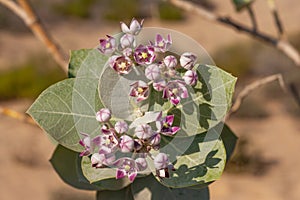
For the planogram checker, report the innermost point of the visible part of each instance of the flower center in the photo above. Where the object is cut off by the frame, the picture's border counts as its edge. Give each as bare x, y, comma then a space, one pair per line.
127, 168
144, 55
122, 65
140, 90
175, 91
161, 44
107, 141
107, 45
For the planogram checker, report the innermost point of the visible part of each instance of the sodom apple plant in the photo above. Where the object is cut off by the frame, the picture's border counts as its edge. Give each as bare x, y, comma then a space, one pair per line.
141, 116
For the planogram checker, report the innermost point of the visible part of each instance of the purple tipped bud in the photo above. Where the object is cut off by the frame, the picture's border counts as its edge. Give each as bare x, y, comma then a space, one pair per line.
126, 143
97, 160
188, 60
103, 115
170, 61
161, 161
155, 139
159, 85
121, 127
127, 40
143, 131
190, 77
152, 72
141, 164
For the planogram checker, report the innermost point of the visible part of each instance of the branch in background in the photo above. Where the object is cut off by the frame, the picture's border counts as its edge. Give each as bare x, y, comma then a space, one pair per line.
17, 115
249, 88
277, 20
26, 13
284, 46
252, 17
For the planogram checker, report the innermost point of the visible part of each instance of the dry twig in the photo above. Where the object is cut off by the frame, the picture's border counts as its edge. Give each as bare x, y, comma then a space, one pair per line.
17, 115
253, 86
26, 13
283, 45
277, 20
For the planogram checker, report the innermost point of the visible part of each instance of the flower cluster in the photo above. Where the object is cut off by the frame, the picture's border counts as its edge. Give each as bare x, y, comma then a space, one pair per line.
167, 73
159, 65
116, 138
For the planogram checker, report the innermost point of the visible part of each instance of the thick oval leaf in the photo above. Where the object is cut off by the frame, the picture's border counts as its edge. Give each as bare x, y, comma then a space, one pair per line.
86, 63
124, 194
77, 57
197, 160
63, 111
150, 188
67, 164
229, 140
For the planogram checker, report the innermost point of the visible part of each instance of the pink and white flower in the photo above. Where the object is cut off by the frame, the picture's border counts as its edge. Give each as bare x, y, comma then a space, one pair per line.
121, 64
134, 28
107, 46
170, 61
161, 44
164, 126
175, 91
126, 167
139, 89
144, 55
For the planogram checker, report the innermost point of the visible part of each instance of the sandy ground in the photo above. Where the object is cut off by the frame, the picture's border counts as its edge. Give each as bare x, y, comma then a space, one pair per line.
25, 150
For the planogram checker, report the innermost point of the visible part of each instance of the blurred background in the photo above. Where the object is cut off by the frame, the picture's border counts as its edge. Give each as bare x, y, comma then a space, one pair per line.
264, 165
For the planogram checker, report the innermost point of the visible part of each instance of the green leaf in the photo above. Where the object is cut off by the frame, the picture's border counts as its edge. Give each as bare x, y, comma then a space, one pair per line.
124, 194
198, 159
241, 4
150, 188
64, 111
76, 59
86, 63
229, 140
67, 164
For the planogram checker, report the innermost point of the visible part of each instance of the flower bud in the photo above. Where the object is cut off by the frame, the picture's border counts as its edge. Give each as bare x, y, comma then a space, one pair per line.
121, 127
141, 164
155, 139
103, 115
126, 144
170, 61
97, 160
188, 60
126, 40
161, 161
190, 77
143, 131
152, 72
159, 85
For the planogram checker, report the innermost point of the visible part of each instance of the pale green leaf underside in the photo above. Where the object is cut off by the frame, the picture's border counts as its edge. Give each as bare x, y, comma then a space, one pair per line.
55, 112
